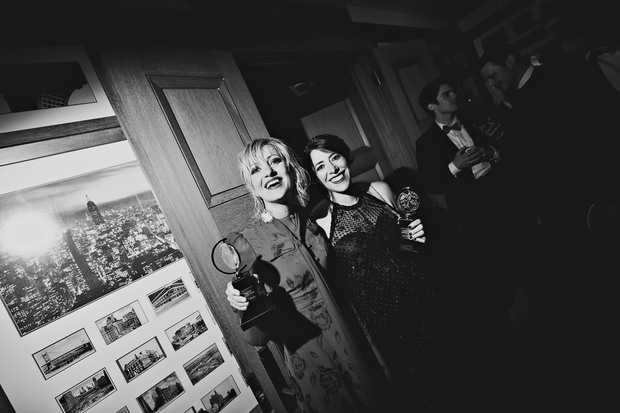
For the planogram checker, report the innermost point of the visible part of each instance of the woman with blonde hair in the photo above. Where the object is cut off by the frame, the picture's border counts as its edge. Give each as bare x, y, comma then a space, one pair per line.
330, 364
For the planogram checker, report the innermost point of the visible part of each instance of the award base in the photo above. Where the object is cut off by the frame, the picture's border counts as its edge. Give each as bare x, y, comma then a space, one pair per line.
259, 302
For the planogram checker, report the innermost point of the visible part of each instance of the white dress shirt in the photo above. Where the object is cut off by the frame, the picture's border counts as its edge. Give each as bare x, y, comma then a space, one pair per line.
462, 139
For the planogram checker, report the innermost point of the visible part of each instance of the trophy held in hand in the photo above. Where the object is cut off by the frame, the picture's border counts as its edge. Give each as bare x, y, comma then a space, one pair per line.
253, 289
407, 202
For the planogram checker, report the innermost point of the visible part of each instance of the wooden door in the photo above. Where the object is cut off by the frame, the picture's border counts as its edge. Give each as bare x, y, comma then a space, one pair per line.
403, 69
389, 83
186, 113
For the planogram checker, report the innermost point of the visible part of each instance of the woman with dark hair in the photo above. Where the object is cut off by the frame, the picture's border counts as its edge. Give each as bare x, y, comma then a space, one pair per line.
329, 362
404, 316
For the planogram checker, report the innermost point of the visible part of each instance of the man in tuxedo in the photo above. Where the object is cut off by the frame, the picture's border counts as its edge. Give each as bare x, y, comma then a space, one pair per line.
459, 161
559, 149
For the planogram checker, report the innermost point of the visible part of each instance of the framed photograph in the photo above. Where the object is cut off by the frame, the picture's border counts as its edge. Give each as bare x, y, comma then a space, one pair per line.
123, 410
86, 393
64, 353
204, 363
44, 86
141, 359
186, 330
168, 296
158, 397
190, 410
76, 237
121, 322
221, 396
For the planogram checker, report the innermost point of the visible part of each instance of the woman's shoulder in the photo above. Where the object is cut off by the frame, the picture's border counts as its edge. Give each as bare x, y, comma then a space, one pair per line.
381, 191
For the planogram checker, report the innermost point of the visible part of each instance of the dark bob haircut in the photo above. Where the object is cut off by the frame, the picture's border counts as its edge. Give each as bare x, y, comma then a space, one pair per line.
325, 142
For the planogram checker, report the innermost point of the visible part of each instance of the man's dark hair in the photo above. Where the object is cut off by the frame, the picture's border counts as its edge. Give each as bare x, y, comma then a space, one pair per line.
429, 92
497, 53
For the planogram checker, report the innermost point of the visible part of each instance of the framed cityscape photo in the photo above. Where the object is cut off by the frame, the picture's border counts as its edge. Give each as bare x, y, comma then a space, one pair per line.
161, 395
124, 409
65, 243
121, 322
86, 393
141, 359
204, 363
63, 353
168, 296
221, 396
186, 330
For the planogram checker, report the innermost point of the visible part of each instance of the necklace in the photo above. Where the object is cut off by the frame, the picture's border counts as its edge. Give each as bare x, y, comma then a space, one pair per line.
280, 213
269, 214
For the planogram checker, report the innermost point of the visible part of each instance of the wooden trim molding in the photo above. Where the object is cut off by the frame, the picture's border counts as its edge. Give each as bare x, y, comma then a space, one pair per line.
24, 145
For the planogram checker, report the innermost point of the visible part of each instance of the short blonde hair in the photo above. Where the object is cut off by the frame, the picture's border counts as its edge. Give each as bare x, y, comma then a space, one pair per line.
253, 154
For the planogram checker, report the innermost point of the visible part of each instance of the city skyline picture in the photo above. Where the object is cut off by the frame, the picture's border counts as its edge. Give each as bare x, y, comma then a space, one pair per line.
68, 243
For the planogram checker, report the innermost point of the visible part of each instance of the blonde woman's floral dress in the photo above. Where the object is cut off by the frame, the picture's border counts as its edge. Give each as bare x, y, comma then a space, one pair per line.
327, 365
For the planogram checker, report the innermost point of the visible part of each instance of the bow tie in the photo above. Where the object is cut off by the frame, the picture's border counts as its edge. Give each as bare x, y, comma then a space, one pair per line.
448, 128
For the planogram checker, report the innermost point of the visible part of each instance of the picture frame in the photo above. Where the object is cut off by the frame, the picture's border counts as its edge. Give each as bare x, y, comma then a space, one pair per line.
121, 322
160, 395
186, 330
123, 409
168, 296
63, 353
140, 359
190, 410
201, 365
86, 393
89, 101
221, 396
52, 207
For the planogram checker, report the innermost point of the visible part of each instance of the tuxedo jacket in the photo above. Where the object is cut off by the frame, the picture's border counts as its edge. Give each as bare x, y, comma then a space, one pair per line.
560, 144
472, 201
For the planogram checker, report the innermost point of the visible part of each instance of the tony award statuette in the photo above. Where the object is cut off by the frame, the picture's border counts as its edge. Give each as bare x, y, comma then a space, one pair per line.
407, 202
250, 287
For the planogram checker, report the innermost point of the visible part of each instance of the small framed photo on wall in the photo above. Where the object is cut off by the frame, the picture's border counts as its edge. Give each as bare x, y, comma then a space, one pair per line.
64, 353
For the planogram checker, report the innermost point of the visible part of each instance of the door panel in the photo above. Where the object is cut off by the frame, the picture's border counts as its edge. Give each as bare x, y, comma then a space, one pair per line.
400, 71
187, 112
405, 68
202, 110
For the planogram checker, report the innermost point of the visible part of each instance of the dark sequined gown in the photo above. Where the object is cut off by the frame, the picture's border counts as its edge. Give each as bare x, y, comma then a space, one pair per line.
408, 321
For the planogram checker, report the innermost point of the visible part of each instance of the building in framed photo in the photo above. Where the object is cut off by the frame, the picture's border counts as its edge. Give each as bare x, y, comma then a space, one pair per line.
161, 395
64, 353
121, 322
87, 393
203, 364
168, 296
221, 396
186, 330
141, 359
65, 244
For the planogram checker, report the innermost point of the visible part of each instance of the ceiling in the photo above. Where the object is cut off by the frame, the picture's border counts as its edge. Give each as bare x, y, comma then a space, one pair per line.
452, 10
243, 21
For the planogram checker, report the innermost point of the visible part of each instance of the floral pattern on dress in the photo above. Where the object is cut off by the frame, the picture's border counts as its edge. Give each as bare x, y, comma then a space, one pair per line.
320, 370
321, 318
299, 365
